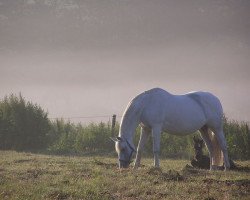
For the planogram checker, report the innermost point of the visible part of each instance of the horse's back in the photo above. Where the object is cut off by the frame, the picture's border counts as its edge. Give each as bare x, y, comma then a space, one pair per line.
175, 113
179, 113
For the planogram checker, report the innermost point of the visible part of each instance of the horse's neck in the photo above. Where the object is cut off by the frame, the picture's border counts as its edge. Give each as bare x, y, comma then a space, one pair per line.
131, 117
129, 123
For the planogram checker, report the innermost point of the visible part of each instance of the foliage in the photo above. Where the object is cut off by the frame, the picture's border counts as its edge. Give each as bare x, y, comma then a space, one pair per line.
23, 125
71, 138
238, 139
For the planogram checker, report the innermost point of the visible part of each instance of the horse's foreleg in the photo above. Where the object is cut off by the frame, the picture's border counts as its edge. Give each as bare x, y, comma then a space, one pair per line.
143, 139
156, 133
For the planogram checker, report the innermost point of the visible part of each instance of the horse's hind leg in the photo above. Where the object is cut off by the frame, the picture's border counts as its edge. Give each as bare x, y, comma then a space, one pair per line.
205, 136
145, 132
223, 145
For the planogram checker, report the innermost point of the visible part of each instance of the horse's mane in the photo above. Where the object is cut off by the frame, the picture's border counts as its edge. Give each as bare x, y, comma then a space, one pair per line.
134, 107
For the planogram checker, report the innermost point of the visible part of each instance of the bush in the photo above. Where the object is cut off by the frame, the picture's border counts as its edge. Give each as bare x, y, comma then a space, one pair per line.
23, 125
71, 138
238, 139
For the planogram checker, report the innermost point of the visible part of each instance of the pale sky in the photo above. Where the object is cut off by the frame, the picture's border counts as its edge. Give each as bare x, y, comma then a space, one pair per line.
90, 57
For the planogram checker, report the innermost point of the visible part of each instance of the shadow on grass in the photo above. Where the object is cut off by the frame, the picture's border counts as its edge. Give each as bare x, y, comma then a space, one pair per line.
104, 164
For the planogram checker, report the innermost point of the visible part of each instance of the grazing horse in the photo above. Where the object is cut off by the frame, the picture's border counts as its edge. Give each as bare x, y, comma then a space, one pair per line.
157, 110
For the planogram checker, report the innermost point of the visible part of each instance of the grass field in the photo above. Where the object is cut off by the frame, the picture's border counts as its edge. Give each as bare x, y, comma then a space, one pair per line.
34, 176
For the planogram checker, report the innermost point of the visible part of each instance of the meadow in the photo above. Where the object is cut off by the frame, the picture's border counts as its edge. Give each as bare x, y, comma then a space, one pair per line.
38, 176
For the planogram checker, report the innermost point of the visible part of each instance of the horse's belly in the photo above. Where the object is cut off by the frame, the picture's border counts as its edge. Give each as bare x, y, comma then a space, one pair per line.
181, 130
183, 122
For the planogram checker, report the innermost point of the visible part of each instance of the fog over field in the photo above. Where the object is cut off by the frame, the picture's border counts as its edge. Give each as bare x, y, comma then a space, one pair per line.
90, 57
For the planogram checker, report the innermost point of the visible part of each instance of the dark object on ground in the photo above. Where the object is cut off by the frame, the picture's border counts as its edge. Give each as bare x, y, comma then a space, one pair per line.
202, 161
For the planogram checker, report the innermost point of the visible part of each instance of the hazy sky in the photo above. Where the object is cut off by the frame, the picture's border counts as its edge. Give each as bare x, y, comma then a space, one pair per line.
90, 57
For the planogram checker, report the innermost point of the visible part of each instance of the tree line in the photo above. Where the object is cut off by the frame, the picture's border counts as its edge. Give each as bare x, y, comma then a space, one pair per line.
25, 126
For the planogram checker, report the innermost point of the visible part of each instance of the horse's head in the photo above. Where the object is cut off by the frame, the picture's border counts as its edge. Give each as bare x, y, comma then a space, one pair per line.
125, 151
198, 145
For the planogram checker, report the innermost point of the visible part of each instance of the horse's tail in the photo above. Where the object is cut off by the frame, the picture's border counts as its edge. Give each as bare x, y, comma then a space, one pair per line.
217, 158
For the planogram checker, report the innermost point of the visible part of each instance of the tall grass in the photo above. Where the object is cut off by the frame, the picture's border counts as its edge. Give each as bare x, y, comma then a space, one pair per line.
238, 139
76, 138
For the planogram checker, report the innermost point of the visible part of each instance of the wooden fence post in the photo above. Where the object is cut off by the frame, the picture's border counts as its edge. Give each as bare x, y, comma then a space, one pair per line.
113, 125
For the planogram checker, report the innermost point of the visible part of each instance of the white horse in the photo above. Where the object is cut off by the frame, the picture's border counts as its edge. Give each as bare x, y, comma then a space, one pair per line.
156, 111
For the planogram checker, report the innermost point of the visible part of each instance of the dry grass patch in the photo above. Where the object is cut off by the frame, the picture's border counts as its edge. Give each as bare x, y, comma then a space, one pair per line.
31, 176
